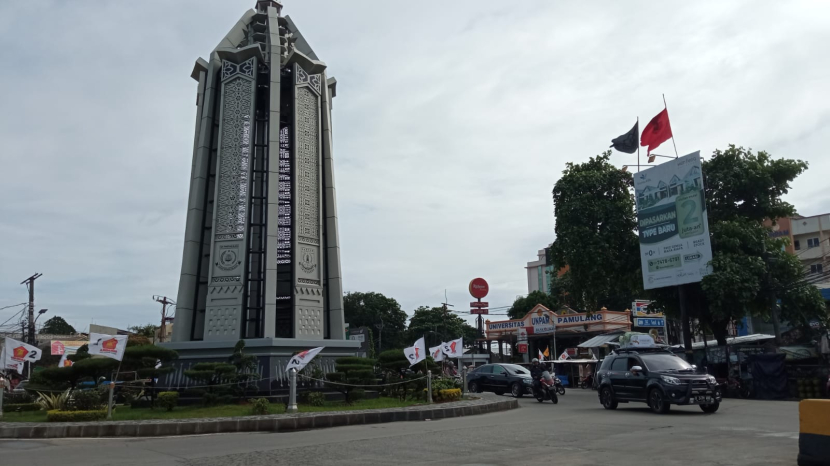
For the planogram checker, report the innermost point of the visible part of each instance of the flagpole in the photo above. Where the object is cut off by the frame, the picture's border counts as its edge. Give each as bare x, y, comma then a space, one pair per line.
638, 153
672, 133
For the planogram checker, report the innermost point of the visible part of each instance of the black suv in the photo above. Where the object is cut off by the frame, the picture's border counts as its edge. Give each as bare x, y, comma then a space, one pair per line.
657, 377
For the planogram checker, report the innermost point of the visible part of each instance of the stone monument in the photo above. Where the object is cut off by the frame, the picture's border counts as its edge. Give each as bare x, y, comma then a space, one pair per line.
261, 257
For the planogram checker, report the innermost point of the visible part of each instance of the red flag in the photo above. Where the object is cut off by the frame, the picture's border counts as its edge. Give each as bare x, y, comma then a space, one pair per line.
657, 131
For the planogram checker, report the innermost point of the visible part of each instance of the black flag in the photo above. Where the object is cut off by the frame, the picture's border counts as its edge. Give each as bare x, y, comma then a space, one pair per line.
627, 142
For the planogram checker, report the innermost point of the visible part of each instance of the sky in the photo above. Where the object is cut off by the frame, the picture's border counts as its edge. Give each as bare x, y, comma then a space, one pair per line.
452, 122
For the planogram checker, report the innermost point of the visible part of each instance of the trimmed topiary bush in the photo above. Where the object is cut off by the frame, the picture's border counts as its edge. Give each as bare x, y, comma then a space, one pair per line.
88, 400
57, 415
351, 371
316, 399
168, 400
450, 394
12, 407
259, 406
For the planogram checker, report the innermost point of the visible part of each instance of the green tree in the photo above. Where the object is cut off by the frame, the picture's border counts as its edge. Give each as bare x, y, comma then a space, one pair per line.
751, 270
523, 304
370, 309
595, 235
246, 369
437, 325
148, 330
57, 326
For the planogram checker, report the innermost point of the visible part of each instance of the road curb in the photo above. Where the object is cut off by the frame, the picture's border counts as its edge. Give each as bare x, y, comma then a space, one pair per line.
272, 423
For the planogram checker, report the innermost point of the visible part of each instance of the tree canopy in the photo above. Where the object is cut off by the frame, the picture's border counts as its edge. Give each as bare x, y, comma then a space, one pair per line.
595, 235
523, 304
369, 309
148, 330
437, 325
57, 326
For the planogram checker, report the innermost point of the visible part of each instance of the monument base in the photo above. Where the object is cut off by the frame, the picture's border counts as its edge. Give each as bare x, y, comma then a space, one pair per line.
272, 356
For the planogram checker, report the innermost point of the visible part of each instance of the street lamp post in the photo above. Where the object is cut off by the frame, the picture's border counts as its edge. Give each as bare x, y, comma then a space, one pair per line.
380, 334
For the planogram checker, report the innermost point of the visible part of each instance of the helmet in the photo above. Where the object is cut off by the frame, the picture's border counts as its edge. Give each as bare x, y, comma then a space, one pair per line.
535, 360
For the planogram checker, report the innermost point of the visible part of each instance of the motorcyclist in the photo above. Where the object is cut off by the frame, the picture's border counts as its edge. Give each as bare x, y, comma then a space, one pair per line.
536, 371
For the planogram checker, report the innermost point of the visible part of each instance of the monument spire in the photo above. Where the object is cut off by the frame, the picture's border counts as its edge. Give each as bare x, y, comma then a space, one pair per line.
262, 6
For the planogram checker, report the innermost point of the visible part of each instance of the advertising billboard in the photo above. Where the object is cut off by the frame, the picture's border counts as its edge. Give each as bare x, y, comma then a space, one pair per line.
672, 223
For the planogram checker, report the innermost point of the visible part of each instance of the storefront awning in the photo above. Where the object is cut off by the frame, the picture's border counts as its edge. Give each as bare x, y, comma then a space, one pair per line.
735, 341
600, 340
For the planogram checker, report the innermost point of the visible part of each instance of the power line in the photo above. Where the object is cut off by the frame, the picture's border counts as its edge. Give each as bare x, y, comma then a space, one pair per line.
13, 305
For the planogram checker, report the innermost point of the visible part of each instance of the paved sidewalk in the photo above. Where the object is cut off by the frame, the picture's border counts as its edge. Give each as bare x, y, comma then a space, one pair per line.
269, 423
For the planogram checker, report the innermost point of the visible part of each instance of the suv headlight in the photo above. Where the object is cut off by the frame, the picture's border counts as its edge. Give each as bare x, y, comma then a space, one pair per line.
712, 380
670, 380
528, 382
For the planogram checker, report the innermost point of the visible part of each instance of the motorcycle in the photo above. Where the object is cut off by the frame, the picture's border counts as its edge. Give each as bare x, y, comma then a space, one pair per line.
560, 389
546, 389
588, 382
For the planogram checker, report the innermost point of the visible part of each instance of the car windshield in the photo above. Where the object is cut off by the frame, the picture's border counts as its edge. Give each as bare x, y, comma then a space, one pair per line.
516, 370
665, 362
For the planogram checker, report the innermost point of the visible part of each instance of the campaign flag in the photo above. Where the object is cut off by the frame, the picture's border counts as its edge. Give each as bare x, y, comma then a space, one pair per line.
454, 348
111, 346
8, 365
657, 131
417, 352
18, 353
547, 352
65, 362
564, 355
299, 360
437, 353
627, 142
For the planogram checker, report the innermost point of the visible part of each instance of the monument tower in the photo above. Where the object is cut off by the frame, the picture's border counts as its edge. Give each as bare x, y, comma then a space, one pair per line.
261, 257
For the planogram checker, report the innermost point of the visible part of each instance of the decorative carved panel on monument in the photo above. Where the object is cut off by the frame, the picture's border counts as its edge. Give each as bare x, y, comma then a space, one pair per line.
308, 264
223, 312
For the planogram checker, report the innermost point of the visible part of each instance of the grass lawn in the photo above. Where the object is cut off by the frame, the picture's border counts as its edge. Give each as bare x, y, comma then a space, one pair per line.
124, 413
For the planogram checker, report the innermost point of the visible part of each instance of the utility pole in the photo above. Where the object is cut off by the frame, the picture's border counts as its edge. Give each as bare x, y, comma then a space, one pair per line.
30, 284
164, 300
684, 321
380, 334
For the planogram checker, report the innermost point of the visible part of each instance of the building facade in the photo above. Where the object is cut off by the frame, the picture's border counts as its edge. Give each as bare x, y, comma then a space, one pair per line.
538, 273
810, 242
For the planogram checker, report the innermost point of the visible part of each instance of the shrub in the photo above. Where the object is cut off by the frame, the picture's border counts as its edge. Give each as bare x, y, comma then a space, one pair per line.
449, 394
168, 400
12, 407
316, 398
214, 399
57, 415
444, 383
259, 406
357, 394
130, 395
18, 398
57, 401
88, 400
352, 371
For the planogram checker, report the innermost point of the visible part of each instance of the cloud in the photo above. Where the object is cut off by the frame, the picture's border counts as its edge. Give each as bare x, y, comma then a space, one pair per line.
451, 125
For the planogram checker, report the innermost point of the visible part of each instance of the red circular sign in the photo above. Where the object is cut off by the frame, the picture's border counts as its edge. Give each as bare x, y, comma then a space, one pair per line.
479, 288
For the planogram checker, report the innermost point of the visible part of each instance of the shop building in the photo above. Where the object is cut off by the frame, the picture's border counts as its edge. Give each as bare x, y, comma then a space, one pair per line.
542, 329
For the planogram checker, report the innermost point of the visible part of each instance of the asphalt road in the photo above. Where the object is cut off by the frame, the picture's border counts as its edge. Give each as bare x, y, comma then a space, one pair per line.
577, 431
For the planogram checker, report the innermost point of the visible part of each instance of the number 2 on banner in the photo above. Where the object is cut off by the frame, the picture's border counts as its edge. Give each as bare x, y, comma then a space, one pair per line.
689, 214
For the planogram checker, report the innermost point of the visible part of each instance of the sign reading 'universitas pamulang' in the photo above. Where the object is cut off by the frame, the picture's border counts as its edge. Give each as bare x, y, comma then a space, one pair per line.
671, 217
